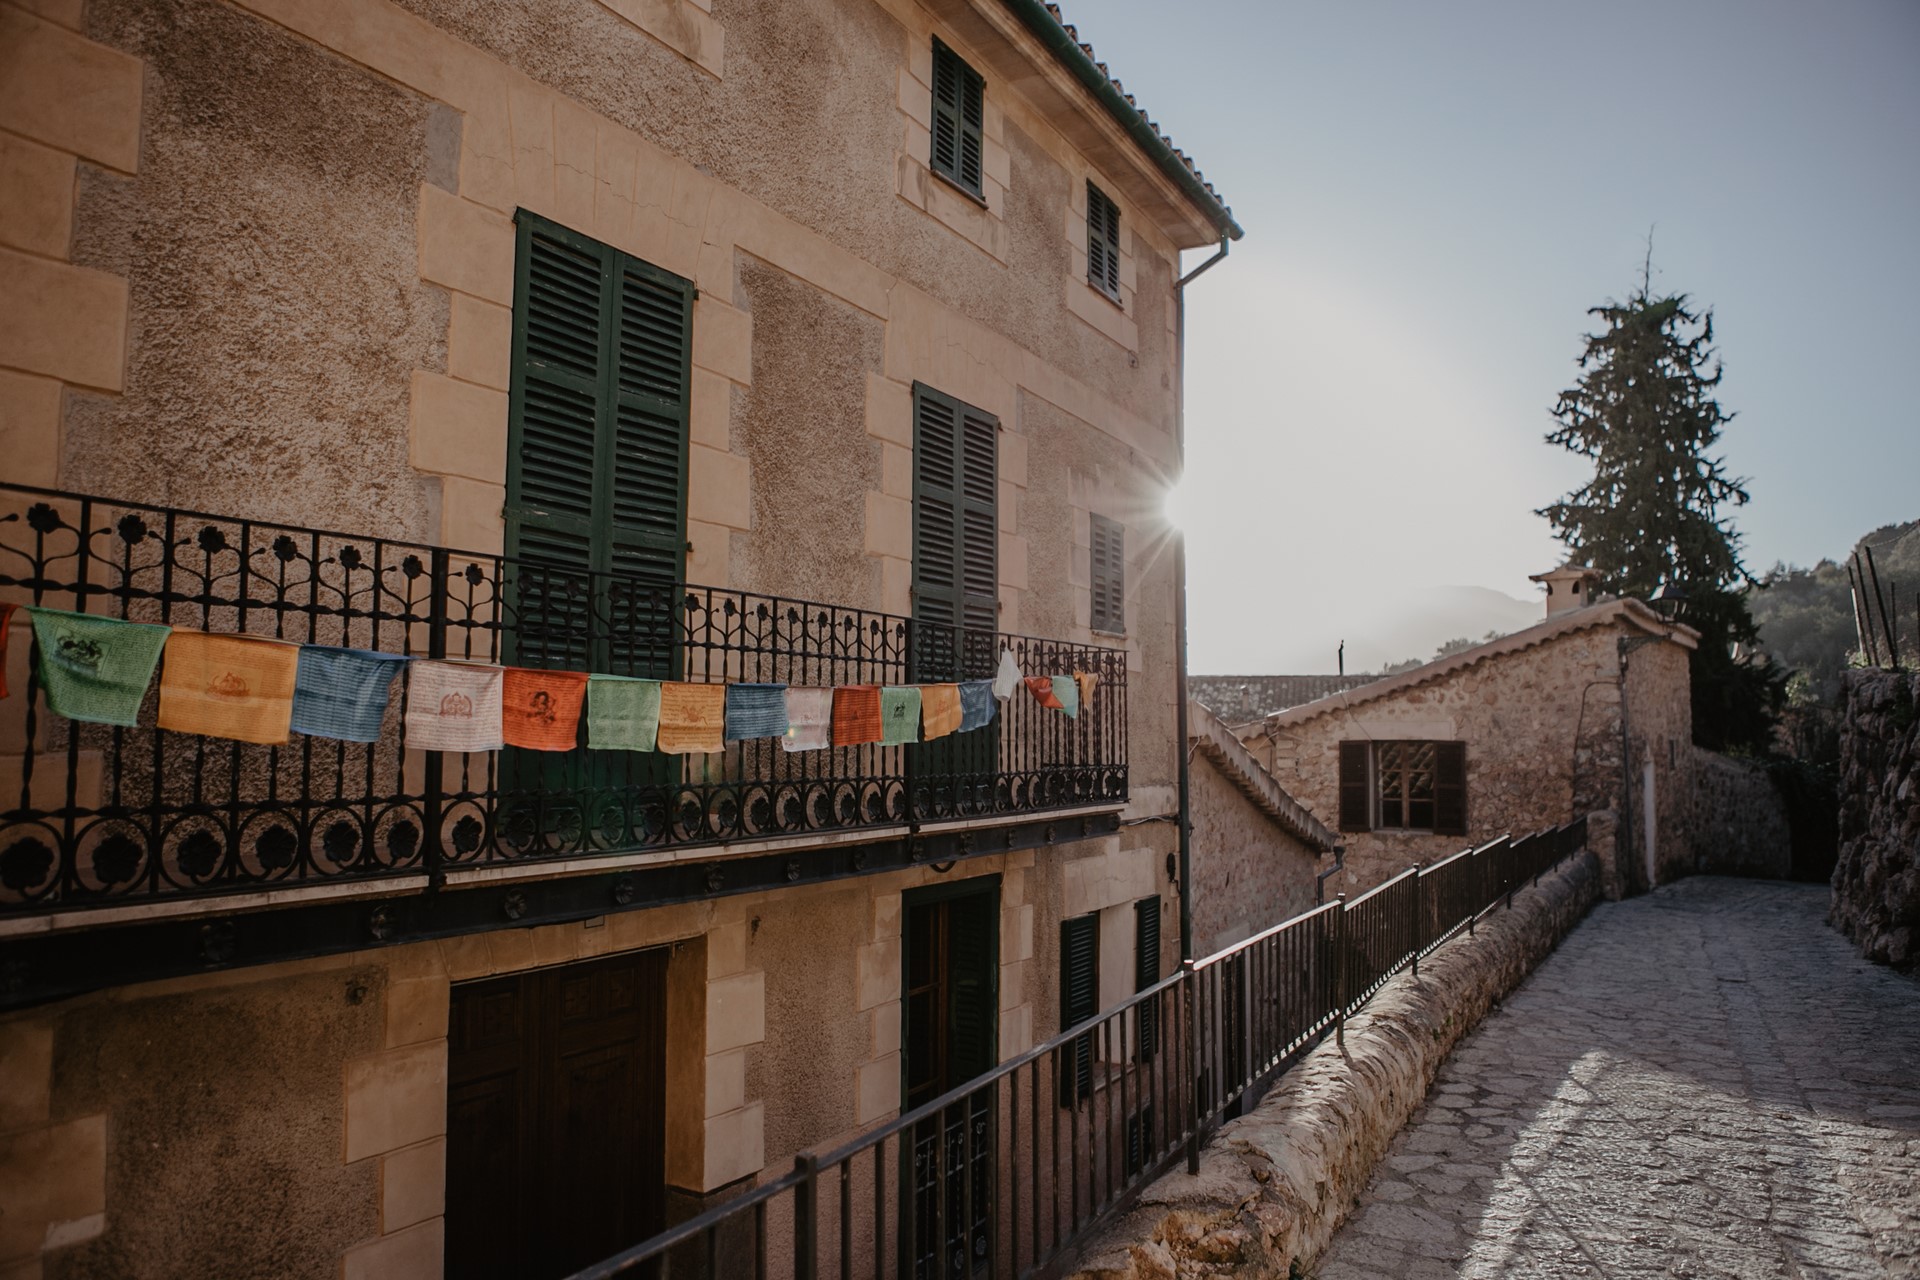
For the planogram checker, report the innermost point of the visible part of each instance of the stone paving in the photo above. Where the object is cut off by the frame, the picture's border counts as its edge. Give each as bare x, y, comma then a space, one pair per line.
1703, 1082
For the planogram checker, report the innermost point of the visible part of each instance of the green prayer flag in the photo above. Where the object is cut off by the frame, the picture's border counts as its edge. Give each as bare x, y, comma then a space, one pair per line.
900, 713
1067, 689
94, 668
623, 713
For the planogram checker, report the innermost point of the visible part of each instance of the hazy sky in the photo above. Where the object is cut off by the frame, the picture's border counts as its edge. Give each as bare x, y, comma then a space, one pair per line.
1433, 195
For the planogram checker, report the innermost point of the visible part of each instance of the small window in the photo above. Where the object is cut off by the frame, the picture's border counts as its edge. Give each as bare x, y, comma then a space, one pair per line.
958, 120
1404, 786
1103, 243
1107, 571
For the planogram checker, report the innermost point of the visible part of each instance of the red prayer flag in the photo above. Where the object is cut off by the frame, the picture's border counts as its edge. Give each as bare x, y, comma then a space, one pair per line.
540, 710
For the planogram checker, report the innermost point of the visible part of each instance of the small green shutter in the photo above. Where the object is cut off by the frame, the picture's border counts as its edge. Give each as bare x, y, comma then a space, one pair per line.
597, 460
973, 960
958, 119
1450, 788
1103, 242
1356, 795
1146, 960
1107, 570
1079, 1000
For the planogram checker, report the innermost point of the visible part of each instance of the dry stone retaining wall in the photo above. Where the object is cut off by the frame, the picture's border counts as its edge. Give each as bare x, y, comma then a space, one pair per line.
1740, 825
1274, 1185
1876, 884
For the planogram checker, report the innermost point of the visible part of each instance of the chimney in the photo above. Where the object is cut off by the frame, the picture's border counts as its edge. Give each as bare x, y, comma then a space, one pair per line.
1568, 587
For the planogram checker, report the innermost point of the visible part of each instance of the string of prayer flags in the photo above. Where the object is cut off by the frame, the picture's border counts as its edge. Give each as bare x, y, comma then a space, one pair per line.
96, 669
809, 719
900, 714
540, 710
978, 702
940, 712
856, 714
1007, 679
756, 711
623, 713
6, 625
455, 706
343, 693
1086, 682
1066, 695
693, 718
228, 686
1041, 687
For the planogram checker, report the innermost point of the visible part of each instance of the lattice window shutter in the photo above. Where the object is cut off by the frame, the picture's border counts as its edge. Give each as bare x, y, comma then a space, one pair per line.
1356, 796
1450, 788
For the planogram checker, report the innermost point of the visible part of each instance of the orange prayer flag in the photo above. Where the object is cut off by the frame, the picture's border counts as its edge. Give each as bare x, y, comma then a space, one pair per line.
228, 686
1041, 687
1088, 682
540, 710
693, 718
939, 710
856, 714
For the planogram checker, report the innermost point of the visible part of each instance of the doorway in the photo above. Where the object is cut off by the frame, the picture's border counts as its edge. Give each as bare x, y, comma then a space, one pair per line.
950, 1034
556, 1117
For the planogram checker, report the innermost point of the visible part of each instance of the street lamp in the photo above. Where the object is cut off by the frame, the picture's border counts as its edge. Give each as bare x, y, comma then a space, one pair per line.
1669, 601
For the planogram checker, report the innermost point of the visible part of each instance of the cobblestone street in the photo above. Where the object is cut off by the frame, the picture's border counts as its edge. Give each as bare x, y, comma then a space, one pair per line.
1705, 1081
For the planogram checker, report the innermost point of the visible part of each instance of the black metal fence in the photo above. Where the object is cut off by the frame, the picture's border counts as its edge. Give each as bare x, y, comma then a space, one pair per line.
96, 814
1006, 1175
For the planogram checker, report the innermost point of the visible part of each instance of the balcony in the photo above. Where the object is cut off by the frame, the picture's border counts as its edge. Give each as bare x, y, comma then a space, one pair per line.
100, 817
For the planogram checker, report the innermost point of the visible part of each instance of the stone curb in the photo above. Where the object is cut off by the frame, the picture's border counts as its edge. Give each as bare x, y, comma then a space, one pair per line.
1276, 1184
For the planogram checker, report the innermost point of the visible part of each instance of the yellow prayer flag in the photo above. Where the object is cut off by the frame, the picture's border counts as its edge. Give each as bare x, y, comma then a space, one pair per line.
693, 718
228, 686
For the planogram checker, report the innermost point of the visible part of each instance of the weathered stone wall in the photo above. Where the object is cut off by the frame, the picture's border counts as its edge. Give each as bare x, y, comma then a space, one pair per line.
1543, 734
1248, 874
1740, 825
1274, 1185
1876, 885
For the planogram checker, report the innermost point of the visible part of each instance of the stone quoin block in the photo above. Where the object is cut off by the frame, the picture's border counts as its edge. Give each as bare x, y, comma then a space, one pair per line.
53, 1184
395, 1099
719, 488
736, 1146
465, 247
411, 1254
413, 1185
36, 197
458, 429
723, 339
64, 90
480, 342
30, 429
736, 1011
63, 321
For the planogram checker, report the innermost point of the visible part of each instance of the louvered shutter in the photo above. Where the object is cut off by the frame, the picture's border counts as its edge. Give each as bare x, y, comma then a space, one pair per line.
973, 960
1079, 996
959, 103
1107, 571
1146, 961
1103, 242
1356, 797
956, 540
596, 476
1450, 788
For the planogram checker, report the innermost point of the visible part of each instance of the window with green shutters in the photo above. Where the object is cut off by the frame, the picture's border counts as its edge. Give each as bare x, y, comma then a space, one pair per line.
1079, 1000
1103, 242
1107, 571
1146, 961
956, 532
597, 452
958, 119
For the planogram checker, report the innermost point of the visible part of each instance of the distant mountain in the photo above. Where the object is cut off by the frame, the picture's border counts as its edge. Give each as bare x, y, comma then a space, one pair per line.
1430, 618
1806, 616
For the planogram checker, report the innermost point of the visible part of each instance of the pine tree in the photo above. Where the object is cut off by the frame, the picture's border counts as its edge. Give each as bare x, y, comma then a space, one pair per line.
1645, 413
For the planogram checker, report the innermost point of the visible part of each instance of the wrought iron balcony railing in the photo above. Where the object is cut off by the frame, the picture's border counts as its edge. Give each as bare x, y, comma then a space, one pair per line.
95, 814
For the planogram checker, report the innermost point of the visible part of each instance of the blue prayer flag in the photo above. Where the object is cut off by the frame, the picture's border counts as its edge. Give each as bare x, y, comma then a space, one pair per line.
756, 711
977, 704
342, 693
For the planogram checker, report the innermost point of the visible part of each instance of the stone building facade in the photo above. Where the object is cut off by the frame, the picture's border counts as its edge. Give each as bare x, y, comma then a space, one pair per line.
269, 260
1536, 724
1256, 854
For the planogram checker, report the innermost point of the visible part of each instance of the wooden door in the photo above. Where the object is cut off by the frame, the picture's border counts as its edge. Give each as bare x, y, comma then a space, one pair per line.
556, 1117
950, 1030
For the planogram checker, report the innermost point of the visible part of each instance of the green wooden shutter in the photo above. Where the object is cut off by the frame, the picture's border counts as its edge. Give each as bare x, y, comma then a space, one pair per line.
1079, 1000
973, 961
1356, 795
1146, 962
1107, 570
1450, 788
597, 458
958, 119
1103, 242
956, 533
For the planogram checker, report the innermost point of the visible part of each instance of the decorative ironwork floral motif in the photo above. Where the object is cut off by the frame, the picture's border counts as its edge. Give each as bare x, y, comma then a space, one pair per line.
107, 814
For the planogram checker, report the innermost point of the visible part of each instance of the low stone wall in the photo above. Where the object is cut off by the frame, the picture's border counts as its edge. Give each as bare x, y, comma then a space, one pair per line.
1740, 825
1274, 1185
1876, 884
